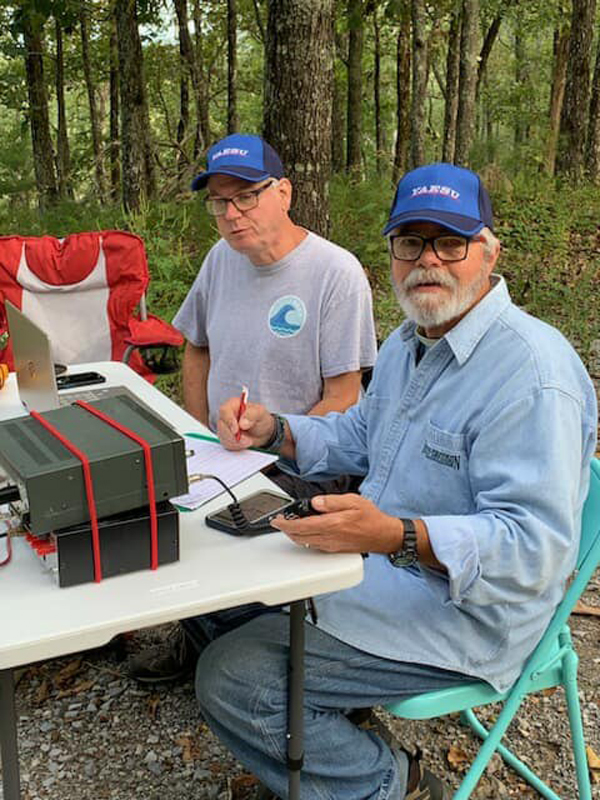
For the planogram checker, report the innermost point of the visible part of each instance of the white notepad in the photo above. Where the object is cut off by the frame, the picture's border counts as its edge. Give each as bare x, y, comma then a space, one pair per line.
210, 457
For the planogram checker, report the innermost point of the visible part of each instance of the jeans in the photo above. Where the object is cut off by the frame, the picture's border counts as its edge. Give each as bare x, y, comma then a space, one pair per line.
241, 686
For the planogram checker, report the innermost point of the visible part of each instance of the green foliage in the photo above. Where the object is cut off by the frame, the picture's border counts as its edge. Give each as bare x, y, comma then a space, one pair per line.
506, 102
177, 238
550, 249
358, 214
549, 234
551, 256
16, 167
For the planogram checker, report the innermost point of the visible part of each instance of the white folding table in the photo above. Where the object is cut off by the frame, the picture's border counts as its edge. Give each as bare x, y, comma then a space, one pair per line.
215, 571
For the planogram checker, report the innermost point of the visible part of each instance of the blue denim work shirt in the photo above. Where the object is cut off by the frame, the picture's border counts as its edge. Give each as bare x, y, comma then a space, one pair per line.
488, 439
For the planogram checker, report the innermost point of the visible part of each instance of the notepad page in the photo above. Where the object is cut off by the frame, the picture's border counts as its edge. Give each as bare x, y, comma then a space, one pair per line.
207, 457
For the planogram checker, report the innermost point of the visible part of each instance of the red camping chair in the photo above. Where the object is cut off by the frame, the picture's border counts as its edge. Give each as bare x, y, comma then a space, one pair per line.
87, 291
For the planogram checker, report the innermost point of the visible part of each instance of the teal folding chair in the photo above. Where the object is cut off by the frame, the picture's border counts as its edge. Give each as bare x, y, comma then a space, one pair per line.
553, 663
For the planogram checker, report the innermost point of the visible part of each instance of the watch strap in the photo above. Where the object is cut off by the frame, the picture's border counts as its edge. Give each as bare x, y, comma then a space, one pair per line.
407, 555
278, 437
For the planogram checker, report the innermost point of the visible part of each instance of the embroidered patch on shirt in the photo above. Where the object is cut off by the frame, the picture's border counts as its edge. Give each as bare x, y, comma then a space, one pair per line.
287, 316
451, 460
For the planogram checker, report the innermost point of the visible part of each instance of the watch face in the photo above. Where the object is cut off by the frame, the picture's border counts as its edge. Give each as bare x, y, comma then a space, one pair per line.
402, 559
407, 555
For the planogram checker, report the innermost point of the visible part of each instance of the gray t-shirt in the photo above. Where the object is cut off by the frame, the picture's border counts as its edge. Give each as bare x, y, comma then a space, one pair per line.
279, 329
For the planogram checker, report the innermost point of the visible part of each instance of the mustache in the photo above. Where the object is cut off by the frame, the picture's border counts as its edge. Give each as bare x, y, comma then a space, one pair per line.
421, 276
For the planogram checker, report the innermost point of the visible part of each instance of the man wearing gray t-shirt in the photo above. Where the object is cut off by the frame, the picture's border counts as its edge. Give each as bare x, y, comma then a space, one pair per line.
277, 309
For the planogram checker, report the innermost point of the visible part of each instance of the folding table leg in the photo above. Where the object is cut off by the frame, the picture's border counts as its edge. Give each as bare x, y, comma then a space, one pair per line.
8, 737
295, 750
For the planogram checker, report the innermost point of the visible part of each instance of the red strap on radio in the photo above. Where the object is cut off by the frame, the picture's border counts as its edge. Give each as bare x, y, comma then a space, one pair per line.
149, 474
6, 560
89, 489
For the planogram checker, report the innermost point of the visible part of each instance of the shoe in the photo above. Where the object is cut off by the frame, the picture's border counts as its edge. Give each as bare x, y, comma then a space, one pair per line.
423, 784
361, 717
172, 661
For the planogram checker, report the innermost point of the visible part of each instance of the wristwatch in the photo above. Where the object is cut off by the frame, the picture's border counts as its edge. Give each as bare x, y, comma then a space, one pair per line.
407, 555
277, 439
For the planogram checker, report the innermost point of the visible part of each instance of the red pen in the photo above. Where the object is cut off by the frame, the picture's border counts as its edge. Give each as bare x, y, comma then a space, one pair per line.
242, 408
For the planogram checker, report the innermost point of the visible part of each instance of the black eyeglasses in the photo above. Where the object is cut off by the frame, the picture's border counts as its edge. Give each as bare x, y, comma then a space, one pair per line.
447, 247
245, 201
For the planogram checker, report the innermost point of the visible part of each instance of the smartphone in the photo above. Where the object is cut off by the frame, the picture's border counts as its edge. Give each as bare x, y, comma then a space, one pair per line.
260, 508
78, 379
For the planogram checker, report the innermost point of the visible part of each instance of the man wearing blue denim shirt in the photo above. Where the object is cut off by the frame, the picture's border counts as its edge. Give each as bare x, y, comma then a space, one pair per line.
474, 440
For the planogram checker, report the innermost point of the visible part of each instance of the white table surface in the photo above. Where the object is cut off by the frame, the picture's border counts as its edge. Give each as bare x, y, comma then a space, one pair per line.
215, 570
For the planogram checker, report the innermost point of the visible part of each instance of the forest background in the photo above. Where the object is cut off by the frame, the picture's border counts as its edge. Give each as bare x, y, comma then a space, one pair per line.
107, 108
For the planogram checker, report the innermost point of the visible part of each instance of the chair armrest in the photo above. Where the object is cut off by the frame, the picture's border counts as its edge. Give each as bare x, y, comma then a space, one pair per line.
153, 332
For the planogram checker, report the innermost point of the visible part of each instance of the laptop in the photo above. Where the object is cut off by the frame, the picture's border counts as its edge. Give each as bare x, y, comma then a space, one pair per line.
34, 368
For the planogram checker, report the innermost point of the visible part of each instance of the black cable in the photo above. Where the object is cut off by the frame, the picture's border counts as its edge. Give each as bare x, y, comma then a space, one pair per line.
204, 476
240, 520
296, 508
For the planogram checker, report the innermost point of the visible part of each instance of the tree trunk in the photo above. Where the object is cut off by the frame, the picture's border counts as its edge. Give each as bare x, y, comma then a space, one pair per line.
298, 100
574, 116
592, 160
419, 83
488, 127
115, 166
338, 161
262, 36
521, 79
355, 99
162, 101
232, 113
183, 123
379, 150
401, 149
469, 52
488, 43
557, 92
452, 84
189, 69
63, 155
43, 152
203, 136
137, 158
184, 89
91, 93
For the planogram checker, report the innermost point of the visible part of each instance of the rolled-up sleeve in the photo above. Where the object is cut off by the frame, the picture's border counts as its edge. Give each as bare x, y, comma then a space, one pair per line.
525, 472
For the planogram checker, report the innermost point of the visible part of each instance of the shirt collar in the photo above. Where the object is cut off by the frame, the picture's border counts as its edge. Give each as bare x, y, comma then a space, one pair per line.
466, 335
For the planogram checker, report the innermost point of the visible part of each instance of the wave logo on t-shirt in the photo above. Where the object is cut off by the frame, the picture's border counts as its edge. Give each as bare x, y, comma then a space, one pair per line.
287, 316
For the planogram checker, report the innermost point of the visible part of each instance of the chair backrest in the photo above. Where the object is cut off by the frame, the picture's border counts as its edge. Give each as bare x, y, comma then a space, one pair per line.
590, 522
587, 561
82, 290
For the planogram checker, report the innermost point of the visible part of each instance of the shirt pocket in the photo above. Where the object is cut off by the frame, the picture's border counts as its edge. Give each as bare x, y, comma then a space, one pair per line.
444, 468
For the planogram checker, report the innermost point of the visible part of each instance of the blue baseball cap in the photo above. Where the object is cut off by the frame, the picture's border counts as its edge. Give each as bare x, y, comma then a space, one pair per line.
243, 155
452, 196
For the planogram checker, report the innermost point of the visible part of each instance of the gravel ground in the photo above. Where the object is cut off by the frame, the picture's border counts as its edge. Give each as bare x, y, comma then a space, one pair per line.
88, 732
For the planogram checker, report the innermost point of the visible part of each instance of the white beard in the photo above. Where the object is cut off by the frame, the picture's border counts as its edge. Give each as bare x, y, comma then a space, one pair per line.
429, 311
